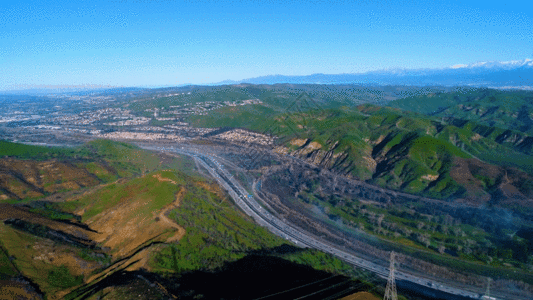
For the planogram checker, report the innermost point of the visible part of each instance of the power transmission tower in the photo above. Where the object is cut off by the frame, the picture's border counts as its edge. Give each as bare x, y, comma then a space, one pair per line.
487, 292
390, 290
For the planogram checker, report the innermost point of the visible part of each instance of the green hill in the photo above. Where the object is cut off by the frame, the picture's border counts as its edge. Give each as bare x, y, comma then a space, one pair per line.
154, 223
405, 151
277, 97
36, 171
494, 108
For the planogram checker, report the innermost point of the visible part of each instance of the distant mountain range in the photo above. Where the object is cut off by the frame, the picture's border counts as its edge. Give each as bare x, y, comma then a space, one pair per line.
508, 74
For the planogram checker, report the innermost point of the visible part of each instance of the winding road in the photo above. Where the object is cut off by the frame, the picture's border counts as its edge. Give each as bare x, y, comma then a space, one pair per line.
298, 236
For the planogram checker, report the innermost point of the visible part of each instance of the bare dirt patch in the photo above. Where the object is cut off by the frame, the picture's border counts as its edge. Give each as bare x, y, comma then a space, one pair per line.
27, 178
430, 177
360, 296
16, 290
123, 230
133, 239
298, 142
213, 188
58, 255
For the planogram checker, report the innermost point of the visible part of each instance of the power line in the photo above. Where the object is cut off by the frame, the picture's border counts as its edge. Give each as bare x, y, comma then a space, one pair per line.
298, 287
343, 292
329, 287
390, 290
339, 294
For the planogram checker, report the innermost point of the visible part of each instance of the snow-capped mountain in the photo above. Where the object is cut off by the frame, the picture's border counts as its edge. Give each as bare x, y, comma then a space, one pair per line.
506, 74
507, 65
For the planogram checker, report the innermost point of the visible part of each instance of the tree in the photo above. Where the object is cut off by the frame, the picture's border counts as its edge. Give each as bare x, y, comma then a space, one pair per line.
423, 239
420, 225
380, 219
506, 253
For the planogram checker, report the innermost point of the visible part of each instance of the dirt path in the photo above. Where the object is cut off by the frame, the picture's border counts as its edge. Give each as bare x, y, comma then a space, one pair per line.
163, 216
141, 259
161, 179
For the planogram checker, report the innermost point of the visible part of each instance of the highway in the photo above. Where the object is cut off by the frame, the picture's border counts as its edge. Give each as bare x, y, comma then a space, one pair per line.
296, 235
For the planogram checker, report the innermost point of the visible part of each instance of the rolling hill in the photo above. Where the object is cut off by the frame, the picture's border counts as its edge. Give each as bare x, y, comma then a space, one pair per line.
404, 151
502, 109
136, 223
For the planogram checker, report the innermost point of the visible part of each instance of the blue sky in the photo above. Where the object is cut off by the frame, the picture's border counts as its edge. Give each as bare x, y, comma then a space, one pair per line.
163, 42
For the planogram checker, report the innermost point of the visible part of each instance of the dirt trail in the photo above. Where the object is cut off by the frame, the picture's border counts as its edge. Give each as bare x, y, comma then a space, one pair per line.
141, 259
130, 241
162, 179
163, 217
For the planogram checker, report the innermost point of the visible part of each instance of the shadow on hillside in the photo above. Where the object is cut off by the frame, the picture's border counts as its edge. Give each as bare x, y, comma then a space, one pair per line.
257, 275
282, 249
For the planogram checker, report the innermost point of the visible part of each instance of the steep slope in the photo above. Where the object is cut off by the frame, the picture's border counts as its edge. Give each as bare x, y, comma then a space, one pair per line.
403, 151
415, 155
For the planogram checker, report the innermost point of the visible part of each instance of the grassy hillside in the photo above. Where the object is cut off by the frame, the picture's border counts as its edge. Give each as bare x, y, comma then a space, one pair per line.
503, 109
164, 225
22, 151
37, 171
278, 96
399, 150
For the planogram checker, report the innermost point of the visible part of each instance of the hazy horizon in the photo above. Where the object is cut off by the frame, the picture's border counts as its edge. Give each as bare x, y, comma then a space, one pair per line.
163, 43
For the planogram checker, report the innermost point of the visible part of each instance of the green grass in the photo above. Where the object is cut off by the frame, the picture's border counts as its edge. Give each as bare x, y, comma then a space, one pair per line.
51, 211
137, 189
7, 269
485, 106
216, 233
320, 261
105, 159
239, 117
23, 151
123, 159
99, 171
20, 245
127, 160
412, 145
61, 277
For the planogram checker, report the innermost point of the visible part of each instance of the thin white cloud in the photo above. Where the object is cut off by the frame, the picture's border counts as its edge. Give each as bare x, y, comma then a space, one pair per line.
458, 66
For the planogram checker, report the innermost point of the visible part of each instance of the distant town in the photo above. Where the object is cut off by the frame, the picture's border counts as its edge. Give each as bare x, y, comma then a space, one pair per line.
70, 117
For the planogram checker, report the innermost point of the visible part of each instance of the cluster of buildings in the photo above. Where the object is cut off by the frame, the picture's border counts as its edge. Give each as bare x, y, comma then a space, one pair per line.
200, 108
240, 135
92, 117
143, 136
131, 122
104, 122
